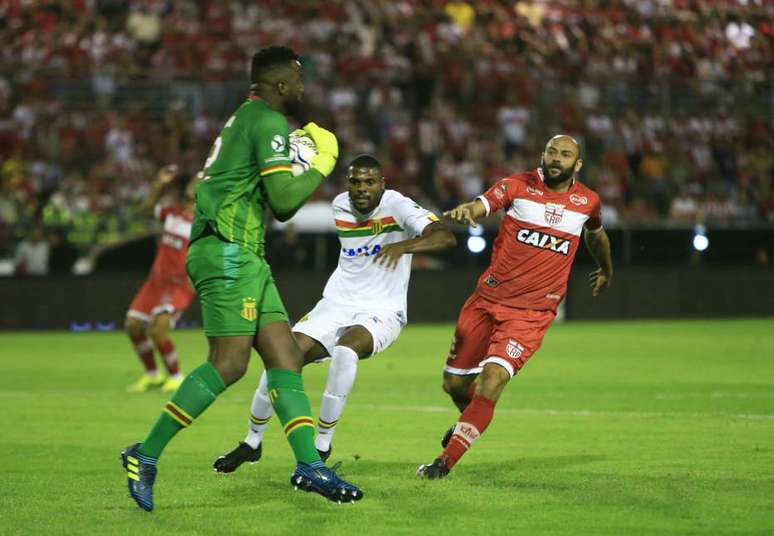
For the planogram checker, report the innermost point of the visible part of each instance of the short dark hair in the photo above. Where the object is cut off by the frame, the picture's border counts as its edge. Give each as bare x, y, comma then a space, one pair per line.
366, 161
269, 57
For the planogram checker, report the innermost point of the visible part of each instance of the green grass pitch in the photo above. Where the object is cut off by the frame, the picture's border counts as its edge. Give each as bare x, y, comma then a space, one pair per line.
612, 428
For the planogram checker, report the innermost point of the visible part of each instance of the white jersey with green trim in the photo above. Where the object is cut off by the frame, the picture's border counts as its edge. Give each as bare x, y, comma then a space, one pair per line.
359, 281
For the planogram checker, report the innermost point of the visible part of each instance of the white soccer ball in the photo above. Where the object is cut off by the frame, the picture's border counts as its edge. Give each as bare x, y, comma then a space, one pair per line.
302, 152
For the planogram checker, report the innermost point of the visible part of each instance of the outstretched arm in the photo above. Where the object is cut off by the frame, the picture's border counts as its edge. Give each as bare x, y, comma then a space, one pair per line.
164, 178
435, 237
598, 245
467, 213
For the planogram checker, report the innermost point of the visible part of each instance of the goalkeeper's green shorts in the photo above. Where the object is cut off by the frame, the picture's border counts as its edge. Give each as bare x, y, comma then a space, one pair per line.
235, 287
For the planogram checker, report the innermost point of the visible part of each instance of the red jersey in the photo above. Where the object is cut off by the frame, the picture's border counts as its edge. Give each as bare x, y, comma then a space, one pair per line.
169, 266
538, 239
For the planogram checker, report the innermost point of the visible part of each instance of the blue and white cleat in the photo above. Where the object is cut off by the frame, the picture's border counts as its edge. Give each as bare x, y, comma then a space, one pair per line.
317, 477
141, 474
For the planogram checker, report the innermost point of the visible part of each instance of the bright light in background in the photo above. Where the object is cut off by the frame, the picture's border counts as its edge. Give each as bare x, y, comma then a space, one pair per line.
700, 240
477, 230
476, 244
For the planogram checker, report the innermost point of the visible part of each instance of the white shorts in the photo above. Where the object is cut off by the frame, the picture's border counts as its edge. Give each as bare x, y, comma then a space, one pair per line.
328, 321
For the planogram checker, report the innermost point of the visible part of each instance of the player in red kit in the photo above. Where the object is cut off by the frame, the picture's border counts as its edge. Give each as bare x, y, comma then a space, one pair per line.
503, 323
167, 292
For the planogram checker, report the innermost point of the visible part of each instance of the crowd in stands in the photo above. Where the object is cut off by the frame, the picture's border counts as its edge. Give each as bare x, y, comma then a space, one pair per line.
672, 100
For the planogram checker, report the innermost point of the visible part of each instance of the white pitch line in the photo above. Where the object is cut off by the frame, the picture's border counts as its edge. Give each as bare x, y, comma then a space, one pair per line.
711, 395
580, 413
16, 394
583, 413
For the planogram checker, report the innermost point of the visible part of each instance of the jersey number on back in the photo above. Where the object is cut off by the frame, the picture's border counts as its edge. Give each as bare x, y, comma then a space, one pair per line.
216, 146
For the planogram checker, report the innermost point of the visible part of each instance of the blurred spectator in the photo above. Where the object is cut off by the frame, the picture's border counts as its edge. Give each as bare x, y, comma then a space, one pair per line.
32, 253
669, 99
684, 208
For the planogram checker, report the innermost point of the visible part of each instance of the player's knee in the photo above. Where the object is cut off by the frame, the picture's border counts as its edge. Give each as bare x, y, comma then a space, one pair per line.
158, 332
492, 381
134, 327
455, 386
231, 371
230, 362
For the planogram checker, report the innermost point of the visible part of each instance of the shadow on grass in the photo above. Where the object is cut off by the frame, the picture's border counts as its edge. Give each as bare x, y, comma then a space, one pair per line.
253, 483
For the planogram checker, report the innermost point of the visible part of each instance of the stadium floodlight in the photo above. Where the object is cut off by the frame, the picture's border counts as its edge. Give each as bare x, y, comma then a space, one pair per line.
476, 244
700, 240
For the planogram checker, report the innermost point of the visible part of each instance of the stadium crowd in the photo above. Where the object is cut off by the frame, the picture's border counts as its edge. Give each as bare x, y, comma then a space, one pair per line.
671, 99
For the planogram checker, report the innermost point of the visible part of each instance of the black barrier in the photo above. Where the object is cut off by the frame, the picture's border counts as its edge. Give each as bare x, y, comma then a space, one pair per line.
99, 302
631, 247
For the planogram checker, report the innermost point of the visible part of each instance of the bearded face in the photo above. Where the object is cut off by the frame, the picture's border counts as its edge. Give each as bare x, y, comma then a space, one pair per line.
560, 160
555, 173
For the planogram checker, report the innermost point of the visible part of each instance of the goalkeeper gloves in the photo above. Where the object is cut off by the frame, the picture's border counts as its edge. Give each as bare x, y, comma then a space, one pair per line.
327, 148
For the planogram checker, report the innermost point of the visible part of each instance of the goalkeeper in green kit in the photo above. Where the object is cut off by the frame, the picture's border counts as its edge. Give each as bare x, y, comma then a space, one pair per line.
248, 170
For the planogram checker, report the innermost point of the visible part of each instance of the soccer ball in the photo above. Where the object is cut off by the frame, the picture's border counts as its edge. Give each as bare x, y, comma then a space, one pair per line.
302, 151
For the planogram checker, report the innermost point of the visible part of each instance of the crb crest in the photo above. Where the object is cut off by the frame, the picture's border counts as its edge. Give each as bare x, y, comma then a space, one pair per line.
553, 213
514, 349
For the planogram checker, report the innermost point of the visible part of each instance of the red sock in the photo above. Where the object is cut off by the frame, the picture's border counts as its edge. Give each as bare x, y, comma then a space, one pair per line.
168, 352
472, 423
144, 349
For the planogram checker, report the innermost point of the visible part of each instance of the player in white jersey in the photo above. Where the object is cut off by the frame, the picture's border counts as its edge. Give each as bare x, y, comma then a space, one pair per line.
363, 308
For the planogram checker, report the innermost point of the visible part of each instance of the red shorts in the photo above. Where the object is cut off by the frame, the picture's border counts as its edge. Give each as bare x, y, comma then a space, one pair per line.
489, 332
155, 298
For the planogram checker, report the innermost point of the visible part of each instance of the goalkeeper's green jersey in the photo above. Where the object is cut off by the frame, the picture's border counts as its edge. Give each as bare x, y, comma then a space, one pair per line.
231, 199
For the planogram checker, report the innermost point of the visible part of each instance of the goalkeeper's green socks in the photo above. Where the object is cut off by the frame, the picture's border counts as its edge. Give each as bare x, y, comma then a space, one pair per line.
196, 393
286, 392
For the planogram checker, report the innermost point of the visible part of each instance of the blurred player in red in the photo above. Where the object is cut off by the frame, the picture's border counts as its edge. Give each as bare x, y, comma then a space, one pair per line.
167, 292
503, 323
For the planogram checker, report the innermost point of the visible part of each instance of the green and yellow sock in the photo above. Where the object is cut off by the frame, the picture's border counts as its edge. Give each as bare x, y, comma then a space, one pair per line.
196, 393
286, 392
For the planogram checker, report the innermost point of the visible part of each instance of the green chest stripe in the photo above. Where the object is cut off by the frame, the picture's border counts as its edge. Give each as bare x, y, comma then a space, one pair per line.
373, 230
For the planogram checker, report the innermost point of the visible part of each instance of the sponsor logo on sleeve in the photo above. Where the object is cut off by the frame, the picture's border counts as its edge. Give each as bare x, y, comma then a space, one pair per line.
278, 143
